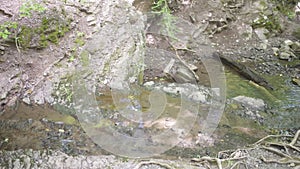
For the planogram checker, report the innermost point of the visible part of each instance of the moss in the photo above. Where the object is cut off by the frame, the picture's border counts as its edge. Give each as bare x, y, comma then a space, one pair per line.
84, 57
53, 37
79, 41
70, 120
43, 41
25, 36
50, 30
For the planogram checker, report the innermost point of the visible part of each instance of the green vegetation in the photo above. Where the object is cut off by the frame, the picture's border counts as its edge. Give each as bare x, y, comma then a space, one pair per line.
270, 22
161, 7
269, 16
49, 30
268, 19
80, 38
28, 7
5, 29
285, 7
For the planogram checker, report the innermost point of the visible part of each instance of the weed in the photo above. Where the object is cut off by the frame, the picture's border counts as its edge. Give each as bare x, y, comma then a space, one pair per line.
6, 29
285, 7
161, 7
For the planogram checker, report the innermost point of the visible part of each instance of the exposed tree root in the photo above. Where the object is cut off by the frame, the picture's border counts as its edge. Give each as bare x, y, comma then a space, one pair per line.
289, 152
216, 160
288, 158
142, 163
271, 136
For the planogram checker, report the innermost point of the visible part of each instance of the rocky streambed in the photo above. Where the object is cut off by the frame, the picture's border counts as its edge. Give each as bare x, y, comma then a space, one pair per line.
93, 58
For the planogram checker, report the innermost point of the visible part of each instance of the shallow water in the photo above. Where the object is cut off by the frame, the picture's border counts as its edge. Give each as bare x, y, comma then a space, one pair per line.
233, 131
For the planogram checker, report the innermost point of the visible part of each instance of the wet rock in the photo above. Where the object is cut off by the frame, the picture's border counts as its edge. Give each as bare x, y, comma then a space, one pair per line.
191, 91
251, 102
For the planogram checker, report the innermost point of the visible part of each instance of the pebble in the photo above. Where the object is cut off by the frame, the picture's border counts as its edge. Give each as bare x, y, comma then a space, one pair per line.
2, 48
284, 56
288, 42
90, 18
3, 95
296, 81
26, 100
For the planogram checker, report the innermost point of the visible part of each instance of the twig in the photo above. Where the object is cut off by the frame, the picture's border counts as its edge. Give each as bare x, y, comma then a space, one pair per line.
210, 159
182, 61
294, 141
17, 44
285, 146
237, 163
281, 161
217, 160
270, 136
276, 151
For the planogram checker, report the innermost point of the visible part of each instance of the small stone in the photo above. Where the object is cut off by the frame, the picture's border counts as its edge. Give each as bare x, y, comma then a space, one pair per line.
3, 95
59, 123
150, 83
26, 100
198, 96
61, 130
90, 18
250, 113
288, 42
275, 51
292, 165
284, 56
2, 48
296, 81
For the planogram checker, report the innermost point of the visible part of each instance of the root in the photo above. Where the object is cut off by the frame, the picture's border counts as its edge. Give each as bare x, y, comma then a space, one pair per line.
281, 149
216, 160
271, 136
293, 142
167, 166
287, 157
281, 161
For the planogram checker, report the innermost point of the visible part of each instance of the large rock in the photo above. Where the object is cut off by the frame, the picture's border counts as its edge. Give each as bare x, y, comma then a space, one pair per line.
250, 102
